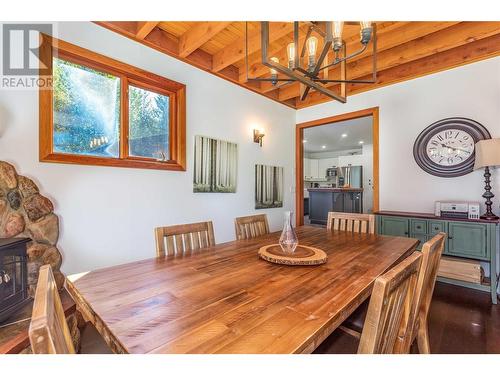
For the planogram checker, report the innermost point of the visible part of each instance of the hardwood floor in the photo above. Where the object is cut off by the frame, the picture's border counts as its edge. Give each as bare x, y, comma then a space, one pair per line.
461, 321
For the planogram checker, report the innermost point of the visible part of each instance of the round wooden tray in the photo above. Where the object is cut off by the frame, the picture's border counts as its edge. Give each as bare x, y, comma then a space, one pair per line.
303, 255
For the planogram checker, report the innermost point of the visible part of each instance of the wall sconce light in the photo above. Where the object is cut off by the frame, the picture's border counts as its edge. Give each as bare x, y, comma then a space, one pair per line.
257, 136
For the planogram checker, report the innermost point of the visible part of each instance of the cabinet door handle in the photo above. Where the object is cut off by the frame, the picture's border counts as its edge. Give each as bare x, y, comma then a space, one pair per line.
450, 237
406, 233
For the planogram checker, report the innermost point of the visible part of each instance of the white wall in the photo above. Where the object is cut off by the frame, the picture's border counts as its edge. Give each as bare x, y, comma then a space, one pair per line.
407, 108
107, 214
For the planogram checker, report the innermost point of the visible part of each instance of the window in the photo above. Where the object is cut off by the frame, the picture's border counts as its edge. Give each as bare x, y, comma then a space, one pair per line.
148, 123
104, 112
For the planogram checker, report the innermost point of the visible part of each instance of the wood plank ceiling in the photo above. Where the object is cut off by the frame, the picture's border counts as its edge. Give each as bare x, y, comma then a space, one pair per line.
405, 50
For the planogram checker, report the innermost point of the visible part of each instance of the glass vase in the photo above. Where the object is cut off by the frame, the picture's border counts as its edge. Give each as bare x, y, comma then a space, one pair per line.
288, 239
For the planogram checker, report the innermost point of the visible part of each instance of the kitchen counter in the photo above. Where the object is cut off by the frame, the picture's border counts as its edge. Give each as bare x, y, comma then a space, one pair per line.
324, 200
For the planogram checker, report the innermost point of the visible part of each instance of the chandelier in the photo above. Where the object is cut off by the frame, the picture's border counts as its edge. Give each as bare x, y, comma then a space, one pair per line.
315, 71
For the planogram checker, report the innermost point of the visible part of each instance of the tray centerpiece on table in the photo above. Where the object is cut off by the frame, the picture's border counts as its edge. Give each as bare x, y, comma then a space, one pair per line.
302, 256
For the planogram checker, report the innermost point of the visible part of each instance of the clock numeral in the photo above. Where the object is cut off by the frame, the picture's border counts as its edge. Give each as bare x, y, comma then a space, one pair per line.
439, 137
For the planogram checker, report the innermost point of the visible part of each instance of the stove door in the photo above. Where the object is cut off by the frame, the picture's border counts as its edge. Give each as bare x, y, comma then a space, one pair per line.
12, 283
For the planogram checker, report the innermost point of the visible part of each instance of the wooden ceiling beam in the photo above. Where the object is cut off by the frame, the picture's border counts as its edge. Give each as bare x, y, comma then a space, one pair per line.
440, 41
144, 28
472, 52
235, 51
231, 72
197, 36
163, 41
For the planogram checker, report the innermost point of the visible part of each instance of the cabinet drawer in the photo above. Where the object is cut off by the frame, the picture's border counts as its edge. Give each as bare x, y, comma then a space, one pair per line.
436, 226
418, 226
468, 240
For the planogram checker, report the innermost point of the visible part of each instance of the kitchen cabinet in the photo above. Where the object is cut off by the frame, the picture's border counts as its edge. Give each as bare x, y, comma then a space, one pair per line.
324, 200
307, 169
394, 226
353, 202
470, 239
311, 169
314, 168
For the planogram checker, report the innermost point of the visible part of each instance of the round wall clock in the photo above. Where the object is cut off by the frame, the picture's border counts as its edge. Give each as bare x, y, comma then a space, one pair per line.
446, 147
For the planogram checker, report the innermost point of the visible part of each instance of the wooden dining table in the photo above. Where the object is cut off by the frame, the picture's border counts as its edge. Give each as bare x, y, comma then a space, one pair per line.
225, 299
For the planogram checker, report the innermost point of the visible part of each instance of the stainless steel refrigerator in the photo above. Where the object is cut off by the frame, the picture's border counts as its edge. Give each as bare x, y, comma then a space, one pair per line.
352, 176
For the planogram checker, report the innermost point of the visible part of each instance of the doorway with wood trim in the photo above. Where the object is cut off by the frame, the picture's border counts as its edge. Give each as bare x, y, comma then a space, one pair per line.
369, 191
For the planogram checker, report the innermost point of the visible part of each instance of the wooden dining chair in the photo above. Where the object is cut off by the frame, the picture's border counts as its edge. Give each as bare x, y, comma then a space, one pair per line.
417, 326
390, 307
179, 239
251, 226
48, 332
351, 222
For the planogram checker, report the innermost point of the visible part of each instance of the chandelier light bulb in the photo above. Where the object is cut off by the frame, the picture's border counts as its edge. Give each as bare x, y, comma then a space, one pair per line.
274, 72
366, 31
365, 24
337, 34
312, 46
290, 50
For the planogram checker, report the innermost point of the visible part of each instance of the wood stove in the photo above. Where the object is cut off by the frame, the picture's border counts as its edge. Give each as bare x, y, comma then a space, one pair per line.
13, 276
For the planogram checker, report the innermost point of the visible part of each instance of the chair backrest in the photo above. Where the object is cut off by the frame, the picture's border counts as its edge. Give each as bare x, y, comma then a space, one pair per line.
431, 255
350, 222
179, 239
48, 332
251, 226
389, 308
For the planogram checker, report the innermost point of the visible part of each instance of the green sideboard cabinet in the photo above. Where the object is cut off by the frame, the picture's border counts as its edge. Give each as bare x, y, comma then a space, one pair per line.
470, 239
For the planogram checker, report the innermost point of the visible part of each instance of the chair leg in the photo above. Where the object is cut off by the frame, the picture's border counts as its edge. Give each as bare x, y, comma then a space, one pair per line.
423, 338
350, 332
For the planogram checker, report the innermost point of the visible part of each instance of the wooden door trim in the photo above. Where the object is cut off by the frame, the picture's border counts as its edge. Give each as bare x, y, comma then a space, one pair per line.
299, 155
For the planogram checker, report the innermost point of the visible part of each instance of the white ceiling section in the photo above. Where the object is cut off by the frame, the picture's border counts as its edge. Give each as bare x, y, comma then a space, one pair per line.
330, 135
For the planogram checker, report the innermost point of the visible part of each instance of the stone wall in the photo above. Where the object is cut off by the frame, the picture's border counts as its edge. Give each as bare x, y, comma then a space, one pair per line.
24, 212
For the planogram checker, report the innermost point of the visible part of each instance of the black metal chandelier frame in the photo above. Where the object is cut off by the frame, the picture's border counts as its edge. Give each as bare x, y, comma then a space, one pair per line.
309, 77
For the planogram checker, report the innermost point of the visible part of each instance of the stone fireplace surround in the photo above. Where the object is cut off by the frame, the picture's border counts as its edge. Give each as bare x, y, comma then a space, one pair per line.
24, 212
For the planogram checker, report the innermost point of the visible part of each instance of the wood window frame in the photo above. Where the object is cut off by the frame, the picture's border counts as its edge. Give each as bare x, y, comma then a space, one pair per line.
52, 47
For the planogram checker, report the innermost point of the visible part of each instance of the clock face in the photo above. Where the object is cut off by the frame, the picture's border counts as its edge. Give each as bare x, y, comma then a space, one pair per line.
450, 147
446, 147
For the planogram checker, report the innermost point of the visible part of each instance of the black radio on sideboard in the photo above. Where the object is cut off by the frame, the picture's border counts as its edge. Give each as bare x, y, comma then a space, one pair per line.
13, 275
